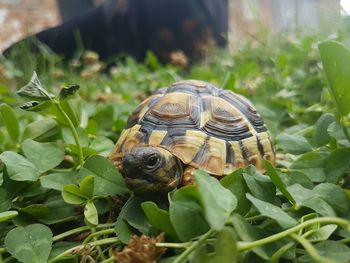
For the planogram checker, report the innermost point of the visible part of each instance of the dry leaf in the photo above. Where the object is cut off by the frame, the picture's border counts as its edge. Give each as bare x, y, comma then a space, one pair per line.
142, 250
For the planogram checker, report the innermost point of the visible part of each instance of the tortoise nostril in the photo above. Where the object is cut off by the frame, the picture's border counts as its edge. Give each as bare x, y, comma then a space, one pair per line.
127, 160
129, 166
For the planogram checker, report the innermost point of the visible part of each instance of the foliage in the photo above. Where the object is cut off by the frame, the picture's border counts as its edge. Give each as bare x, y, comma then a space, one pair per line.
61, 200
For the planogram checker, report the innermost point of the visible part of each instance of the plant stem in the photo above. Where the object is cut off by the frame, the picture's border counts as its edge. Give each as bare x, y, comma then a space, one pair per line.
174, 245
242, 246
78, 248
94, 237
98, 233
310, 249
279, 253
59, 170
255, 218
78, 230
73, 130
70, 123
183, 256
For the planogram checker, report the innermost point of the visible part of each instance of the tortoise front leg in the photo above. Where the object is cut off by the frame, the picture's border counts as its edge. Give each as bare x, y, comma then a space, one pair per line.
188, 178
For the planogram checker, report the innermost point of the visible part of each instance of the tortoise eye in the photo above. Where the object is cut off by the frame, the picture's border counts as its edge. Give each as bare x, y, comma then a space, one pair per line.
152, 161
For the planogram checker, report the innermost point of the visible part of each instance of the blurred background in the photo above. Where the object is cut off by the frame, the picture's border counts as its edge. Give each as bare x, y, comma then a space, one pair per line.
247, 18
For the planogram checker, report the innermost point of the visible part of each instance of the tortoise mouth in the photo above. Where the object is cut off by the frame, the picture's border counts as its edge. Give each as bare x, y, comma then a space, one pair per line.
144, 186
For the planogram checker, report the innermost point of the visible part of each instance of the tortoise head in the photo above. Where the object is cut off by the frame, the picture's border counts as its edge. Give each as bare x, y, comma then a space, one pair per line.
149, 170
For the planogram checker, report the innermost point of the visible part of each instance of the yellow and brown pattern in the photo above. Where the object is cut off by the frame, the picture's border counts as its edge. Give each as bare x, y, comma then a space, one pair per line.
204, 126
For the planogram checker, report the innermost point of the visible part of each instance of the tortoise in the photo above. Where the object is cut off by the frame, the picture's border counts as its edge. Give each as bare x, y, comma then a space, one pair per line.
190, 125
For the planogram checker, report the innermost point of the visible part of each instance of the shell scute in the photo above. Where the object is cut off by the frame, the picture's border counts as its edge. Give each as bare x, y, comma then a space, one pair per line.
184, 144
246, 109
211, 156
172, 111
224, 121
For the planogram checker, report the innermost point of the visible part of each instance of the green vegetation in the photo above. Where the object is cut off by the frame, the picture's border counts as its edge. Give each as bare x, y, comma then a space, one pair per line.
61, 200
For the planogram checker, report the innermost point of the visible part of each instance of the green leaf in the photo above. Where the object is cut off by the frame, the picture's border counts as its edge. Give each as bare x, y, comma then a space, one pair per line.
123, 229
293, 143
296, 177
90, 213
275, 178
336, 131
323, 233
309, 198
74, 194
200, 255
72, 108
35, 210
2, 138
235, 183
108, 181
44, 156
274, 212
102, 145
10, 121
4, 216
68, 91
319, 205
260, 186
58, 211
87, 151
131, 220
31, 189
334, 195
136, 217
249, 233
312, 165
218, 202
225, 247
5, 200
332, 250
41, 130
69, 138
87, 186
34, 89
58, 180
19, 168
321, 136
335, 57
336, 164
30, 244
159, 219
185, 205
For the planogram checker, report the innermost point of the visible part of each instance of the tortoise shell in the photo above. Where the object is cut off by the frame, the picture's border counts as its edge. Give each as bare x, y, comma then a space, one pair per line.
206, 127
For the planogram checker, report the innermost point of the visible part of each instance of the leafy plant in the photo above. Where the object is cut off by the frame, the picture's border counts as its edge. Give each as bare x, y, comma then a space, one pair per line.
61, 200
